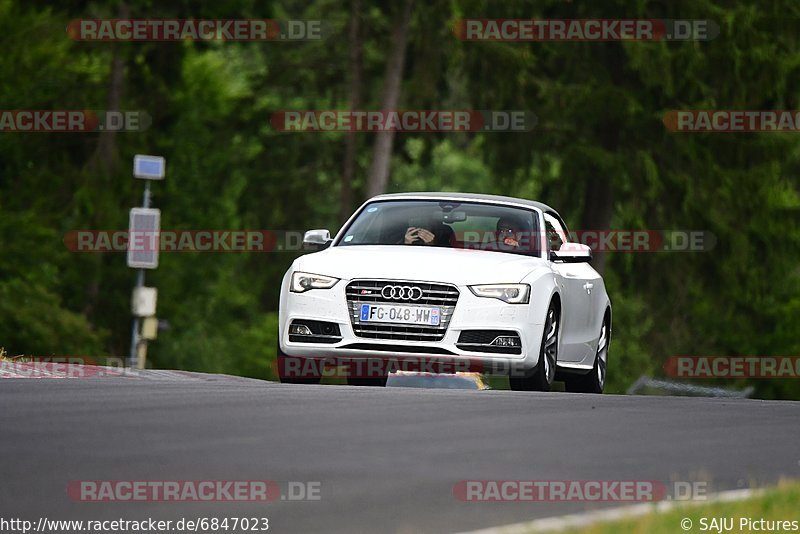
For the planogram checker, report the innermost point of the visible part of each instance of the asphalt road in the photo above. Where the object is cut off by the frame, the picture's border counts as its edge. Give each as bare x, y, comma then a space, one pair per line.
386, 459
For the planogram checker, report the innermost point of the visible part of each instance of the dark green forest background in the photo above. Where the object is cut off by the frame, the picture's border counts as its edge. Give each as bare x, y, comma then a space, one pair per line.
599, 153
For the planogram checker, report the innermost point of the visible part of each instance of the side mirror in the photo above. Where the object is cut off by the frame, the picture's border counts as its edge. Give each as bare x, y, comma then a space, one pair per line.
316, 239
572, 253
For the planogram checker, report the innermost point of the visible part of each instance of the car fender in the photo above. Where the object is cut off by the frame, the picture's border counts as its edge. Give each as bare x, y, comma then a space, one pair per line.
602, 304
544, 285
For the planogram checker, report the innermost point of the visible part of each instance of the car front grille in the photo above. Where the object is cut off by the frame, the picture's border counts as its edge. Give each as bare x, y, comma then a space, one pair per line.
442, 296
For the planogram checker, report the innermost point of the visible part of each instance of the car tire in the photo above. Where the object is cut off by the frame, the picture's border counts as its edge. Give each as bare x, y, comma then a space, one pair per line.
544, 373
371, 382
285, 363
357, 370
595, 380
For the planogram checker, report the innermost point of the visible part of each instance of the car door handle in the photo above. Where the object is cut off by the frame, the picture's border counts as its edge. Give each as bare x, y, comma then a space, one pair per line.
588, 287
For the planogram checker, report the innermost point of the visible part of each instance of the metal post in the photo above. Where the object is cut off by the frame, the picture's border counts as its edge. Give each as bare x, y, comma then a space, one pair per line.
133, 360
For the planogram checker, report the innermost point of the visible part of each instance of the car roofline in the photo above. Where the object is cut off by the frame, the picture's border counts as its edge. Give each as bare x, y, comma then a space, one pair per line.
464, 197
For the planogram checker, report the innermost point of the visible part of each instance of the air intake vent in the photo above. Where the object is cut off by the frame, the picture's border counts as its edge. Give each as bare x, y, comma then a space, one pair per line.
490, 341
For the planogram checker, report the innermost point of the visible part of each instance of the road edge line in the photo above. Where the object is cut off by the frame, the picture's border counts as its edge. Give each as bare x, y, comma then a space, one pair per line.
588, 518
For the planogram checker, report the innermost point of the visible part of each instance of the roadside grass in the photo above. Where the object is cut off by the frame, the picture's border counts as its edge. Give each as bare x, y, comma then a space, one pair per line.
108, 361
781, 503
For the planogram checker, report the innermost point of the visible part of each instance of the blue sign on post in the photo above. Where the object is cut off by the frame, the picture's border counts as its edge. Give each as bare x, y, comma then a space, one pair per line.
149, 167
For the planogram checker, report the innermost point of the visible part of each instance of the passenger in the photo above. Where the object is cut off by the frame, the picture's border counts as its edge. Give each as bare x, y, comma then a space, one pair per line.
513, 235
509, 232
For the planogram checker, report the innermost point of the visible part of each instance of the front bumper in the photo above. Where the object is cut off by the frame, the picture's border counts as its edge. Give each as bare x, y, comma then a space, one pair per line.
470, 313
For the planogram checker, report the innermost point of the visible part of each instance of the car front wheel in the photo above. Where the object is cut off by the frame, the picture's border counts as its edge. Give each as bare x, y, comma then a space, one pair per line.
545, 371
374, 382
370, 373
292, 370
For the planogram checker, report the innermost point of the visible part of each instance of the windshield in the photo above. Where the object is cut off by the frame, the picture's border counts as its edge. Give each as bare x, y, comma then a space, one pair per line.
449, 224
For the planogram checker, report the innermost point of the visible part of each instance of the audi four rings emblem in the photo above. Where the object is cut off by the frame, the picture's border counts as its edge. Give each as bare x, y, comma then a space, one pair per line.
401, 292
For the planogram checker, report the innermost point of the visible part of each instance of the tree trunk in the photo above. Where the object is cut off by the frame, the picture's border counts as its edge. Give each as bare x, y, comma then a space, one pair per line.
384, 141
105, 157
597, 212
104, 161
346, 205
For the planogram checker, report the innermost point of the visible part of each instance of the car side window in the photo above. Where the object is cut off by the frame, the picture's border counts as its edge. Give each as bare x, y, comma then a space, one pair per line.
554, 232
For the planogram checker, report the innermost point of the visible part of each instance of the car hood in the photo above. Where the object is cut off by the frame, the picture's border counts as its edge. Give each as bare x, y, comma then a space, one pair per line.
430, 264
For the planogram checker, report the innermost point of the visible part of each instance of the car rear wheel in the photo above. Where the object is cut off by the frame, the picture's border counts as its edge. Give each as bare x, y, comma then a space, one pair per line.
293, 370
545, 371
595, 380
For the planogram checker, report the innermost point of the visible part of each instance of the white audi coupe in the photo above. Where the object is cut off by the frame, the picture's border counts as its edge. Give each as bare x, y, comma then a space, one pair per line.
443, 282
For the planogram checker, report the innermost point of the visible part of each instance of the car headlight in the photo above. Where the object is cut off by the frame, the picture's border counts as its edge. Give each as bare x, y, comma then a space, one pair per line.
302, 282
511, 293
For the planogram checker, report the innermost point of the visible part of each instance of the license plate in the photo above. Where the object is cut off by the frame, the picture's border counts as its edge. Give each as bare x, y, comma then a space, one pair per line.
379, 313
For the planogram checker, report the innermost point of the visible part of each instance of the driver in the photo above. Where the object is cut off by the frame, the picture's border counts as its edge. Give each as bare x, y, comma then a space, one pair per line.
419, 236
429, 232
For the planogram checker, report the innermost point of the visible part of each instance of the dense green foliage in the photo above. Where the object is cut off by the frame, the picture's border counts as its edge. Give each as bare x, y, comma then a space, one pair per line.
599, 141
